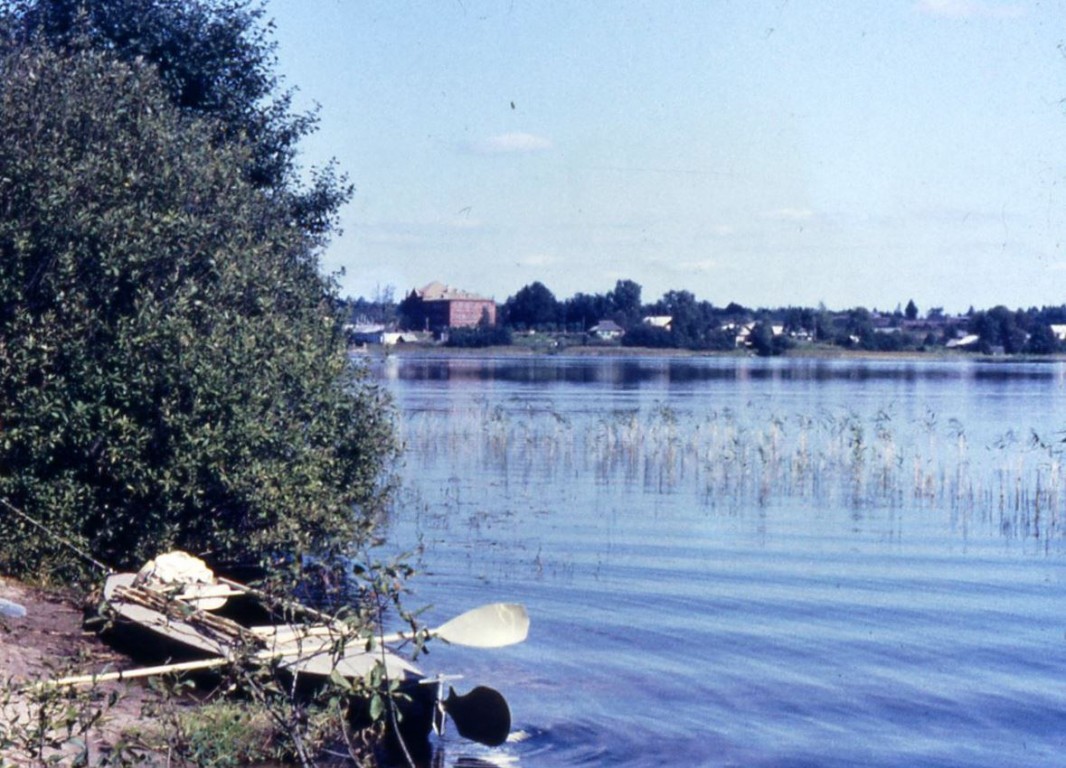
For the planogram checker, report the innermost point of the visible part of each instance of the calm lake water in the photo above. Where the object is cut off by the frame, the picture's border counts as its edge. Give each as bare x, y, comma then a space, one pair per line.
746, 562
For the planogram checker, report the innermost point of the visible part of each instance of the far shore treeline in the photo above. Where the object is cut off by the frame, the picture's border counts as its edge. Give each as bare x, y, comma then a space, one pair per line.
679, 320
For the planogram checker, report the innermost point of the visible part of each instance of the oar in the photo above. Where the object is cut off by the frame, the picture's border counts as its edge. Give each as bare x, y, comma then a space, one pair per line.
130, 674
490, 626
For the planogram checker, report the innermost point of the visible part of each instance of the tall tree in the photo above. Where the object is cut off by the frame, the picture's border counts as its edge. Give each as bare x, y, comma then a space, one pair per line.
534, 306
215, 59
625, 300
682, 307
585, 310
172, 370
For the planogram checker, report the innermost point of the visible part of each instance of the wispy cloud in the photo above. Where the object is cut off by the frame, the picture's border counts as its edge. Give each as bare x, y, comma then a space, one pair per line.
512, 143
537, 260
969, 9
790, 214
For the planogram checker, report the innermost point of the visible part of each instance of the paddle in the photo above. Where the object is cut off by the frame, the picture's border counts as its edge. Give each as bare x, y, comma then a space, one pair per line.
130, 674
481, 715
490, 626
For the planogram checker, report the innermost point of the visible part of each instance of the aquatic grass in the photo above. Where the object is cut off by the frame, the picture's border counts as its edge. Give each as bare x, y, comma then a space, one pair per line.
735, 459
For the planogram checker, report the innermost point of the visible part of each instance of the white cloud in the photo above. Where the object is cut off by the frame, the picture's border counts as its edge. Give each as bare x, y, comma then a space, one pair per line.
790, 214
538, 260
513, 143
969, 9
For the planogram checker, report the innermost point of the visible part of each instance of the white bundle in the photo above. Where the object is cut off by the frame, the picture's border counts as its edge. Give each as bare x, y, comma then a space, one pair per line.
197, 582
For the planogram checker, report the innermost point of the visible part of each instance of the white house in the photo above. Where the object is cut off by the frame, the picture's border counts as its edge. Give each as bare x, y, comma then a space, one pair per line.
608, 330
659, 321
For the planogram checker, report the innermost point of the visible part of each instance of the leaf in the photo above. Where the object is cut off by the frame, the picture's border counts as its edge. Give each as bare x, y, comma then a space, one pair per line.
377, 707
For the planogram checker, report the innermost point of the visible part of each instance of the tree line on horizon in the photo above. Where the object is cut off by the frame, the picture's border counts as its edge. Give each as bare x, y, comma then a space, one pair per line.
697, 324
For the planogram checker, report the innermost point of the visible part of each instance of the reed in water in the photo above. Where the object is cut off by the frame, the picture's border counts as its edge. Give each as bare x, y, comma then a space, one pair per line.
737, 459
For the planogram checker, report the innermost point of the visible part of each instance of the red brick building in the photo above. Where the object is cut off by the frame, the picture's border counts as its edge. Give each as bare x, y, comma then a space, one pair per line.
447, 307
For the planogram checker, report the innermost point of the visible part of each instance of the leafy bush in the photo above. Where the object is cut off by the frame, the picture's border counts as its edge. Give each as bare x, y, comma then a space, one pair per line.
172, 372
649, 336
492, 336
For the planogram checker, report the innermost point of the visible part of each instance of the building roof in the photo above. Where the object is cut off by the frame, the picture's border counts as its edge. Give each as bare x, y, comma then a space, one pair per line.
658, 321
437, 291
607, 326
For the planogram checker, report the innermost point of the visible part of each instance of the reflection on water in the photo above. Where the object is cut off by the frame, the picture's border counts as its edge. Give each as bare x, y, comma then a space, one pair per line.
635, 371
747, 562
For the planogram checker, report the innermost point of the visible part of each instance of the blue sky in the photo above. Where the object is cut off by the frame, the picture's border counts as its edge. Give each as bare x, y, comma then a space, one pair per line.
769, 152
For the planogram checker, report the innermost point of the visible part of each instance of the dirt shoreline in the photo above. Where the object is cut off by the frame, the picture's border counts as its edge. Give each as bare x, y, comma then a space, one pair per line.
50, 641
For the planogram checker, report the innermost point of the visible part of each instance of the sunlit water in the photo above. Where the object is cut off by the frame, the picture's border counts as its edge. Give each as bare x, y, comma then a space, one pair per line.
744, 562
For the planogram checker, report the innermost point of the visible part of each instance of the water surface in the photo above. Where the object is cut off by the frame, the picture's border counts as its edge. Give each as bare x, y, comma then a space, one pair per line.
747, 562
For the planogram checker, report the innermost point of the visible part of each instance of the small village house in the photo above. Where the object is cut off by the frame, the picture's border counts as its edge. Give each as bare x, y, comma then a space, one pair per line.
663, 322
607, 330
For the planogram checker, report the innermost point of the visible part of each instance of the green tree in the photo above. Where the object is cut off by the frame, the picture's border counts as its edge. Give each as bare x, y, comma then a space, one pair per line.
998, 327
584, 310
172, 368
411, 312
683, 308
534, 306
215, 59
625, 302
1042, 340
761, 339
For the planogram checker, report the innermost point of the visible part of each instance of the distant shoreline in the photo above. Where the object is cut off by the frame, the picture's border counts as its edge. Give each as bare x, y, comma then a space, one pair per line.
804, 353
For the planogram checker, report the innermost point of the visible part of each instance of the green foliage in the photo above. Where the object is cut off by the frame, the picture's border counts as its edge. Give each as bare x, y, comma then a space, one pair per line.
625, 301
649, 336
172, 372
485, 336
762, 340
215, 59
533, 307
1042, 340
215, 734
411, 312
999, 328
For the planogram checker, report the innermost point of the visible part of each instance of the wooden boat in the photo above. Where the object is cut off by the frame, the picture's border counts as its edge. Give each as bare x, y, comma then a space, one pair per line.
184, 622
185, 630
